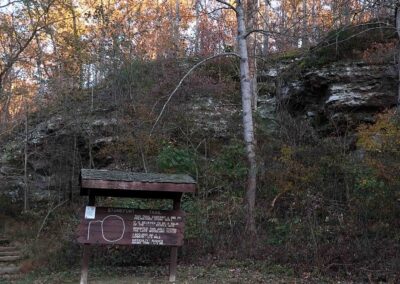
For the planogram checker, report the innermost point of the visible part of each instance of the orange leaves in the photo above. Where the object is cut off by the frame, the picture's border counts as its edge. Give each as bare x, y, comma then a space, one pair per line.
384, 135
380, 53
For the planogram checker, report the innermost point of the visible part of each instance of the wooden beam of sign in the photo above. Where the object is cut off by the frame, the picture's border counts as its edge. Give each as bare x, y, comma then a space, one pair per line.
133, 227
143, 186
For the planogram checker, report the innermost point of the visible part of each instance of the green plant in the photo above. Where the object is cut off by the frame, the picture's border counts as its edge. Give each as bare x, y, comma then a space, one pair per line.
278, 232
176, 160
230, 163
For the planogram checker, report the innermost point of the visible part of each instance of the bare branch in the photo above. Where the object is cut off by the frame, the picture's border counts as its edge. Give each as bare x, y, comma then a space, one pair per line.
261, 31
14, 57
9, 3
353, 36
215, 10
256, 31
47, 216
267, 32
183, 79
227, 4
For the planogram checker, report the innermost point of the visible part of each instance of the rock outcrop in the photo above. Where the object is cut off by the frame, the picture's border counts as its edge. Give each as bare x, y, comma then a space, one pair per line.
343, 94
339, 96
55, 146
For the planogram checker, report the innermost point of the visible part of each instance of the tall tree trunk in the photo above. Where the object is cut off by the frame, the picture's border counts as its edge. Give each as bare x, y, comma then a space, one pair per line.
6, 95
197, 31
266, 27
347, 12
39, 52
26, 181
251, 19
304, 38
315, 37
77, 43
282, 21
335, 13
5, 112
248, 127
176, 30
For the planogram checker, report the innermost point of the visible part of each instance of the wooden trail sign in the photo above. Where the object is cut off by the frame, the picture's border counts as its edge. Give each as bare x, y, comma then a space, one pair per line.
140, 185
123, 226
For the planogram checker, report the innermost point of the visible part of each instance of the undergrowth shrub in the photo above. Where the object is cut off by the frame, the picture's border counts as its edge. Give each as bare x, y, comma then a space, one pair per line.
229, 168
380, 53
177, 160
377, 186
329, 206
350, 42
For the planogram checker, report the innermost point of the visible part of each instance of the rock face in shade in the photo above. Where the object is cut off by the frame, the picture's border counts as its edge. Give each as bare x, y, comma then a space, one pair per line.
341, 94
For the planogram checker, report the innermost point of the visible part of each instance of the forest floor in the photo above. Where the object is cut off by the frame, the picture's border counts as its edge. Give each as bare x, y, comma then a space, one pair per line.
186, 274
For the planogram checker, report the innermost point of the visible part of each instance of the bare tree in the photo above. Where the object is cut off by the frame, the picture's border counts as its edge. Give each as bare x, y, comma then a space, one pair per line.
247, 116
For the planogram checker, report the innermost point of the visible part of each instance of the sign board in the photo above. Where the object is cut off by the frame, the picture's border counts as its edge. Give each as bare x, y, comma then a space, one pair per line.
90, 212
122, 226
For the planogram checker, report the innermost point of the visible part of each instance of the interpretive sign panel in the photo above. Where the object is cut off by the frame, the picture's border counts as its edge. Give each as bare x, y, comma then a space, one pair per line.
124, 226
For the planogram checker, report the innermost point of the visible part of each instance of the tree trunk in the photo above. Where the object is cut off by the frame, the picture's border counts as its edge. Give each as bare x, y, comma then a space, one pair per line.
282, 21
248, 128
5, 110
335, 14
251, 19
304, 39
26, 190
77, 44
347, 12
197, 31
315, 37
266, 27
176, 31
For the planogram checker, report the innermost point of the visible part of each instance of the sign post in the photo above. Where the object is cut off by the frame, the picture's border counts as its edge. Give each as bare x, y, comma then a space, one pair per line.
125, 226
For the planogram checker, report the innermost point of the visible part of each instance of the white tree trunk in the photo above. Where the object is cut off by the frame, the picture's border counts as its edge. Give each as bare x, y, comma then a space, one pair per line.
248, 127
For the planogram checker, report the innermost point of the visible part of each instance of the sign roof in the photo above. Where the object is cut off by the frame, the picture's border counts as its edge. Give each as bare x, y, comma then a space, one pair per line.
90, 174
